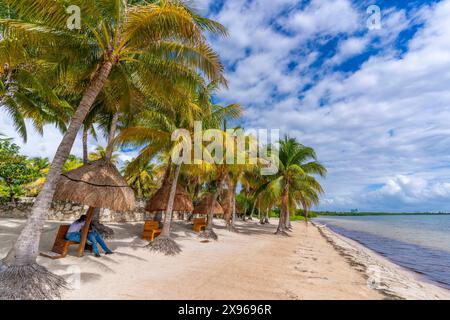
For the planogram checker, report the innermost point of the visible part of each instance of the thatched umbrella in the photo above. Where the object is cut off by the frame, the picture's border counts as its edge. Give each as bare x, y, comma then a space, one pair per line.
158, 203
98, 185
205, 204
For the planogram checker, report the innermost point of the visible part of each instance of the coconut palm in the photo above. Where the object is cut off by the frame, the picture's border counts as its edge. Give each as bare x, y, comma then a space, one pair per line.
153, 134
255, 187
226, 169
159, 45
142, 179
26, 96
297, 165
308, 195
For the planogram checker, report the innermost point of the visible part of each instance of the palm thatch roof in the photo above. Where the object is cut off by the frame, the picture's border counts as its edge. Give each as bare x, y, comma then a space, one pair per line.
158, 203
205, 204
97, 184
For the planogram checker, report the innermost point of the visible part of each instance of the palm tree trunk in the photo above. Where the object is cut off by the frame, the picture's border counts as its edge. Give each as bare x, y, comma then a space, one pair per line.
85, 144
261, 217
253, 210
244, 214
167, 172
168, 216
259, 210
267, 216
229, 200
164, 243
305, 209
233, 219
288, 219
24, 253
111, 136
107, 232
165, 179
284, 209
209, 232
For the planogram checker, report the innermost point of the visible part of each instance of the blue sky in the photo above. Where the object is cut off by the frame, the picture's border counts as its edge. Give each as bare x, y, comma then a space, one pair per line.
375, 104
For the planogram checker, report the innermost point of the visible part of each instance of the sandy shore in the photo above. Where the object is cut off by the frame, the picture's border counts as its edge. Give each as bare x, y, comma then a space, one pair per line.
251, 264
382, 274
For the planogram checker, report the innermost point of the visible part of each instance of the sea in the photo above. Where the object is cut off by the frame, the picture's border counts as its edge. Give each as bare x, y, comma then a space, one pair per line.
420, 243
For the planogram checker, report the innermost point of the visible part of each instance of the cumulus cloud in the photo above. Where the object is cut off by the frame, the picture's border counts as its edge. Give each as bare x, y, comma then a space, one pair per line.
349, 48
386, 117
324, 17
411, 192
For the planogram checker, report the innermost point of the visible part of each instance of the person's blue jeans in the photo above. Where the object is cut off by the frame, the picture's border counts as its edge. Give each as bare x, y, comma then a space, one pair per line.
93, 238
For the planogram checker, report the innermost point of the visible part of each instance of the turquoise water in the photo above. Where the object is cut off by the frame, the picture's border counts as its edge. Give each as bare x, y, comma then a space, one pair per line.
419, 243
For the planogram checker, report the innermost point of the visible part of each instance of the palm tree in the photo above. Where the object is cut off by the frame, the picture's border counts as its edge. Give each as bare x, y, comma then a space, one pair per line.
141, 178
297, 164
159, 45
102, 153
26, 96
308, 195
153, 134
223, 170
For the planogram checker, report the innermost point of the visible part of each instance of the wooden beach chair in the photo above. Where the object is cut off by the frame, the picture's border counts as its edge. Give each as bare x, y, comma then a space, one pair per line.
62, 245
151, 230
199, 224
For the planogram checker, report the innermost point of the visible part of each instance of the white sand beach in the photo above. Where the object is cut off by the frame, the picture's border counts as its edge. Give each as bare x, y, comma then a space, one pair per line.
251, 264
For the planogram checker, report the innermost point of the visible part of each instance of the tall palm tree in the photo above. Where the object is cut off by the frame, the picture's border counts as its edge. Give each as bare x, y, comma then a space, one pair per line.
297, 165
160, 45
223, 170
308, 195
153, 134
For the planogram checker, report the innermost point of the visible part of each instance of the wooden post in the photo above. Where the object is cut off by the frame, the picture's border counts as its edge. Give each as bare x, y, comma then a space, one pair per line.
84, 232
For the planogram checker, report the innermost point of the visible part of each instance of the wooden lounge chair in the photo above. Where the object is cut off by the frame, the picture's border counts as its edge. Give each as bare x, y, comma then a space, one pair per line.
61, 245
151, 230
199, 224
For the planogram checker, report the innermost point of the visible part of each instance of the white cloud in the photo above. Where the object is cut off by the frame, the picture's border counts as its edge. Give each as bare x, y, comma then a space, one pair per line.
323, 17
349, 48
389, 118
412, 192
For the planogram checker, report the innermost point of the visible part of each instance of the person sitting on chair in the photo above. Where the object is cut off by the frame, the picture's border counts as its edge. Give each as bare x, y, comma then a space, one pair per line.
93, 237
